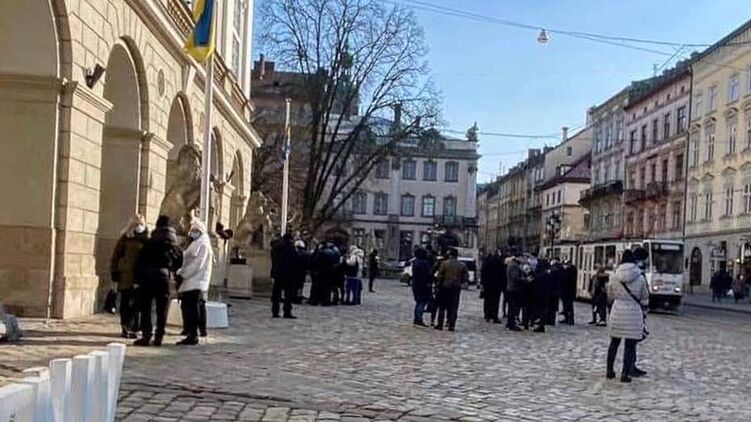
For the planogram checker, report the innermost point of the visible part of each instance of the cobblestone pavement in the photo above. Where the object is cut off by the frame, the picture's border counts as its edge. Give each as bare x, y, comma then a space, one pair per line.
368, 363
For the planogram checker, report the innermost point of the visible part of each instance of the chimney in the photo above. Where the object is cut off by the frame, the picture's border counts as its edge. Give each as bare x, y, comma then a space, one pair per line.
262, 67
564, 134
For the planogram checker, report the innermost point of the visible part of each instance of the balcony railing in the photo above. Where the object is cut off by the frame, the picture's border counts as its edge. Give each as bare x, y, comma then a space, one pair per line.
182, 18
657, 190
614, 187
454, 221
633, 195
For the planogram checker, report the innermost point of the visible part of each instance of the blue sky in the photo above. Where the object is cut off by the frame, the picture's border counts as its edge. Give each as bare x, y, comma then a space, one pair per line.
502, 78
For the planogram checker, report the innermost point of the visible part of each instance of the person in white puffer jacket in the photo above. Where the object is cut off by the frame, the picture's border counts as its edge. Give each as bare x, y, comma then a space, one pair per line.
194, 278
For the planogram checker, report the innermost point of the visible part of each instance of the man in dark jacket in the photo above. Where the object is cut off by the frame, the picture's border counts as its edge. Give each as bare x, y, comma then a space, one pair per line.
452, 275
421, 285
284, 261
568, 292
372, 269
517, 281
491, 277
160, 257
553, 291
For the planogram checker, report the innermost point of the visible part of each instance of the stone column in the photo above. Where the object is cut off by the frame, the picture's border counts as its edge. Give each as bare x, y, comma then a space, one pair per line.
153, 179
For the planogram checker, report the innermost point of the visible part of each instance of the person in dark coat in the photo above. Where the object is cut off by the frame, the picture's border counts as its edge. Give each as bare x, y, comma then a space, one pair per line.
301, 270
451, 276
553, 291
538, 298
284, 260
372, 269
329, 273
123, 271
421, 285
491, 279
600, 298
159, 259
517, 281
568, 292
721, 282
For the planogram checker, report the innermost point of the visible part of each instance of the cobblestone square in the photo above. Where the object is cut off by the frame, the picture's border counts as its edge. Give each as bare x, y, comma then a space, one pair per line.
368, 363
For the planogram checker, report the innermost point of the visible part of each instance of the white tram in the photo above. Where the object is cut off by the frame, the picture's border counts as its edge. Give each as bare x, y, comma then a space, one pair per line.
663, 267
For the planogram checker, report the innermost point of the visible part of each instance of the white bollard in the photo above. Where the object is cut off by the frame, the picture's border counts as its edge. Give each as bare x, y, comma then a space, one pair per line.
60, 373
116, 359
40, 380
81, 388
100, 386
17, 403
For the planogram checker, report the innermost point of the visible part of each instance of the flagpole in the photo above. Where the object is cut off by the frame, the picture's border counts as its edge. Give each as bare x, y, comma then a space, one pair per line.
285, 177
206, 155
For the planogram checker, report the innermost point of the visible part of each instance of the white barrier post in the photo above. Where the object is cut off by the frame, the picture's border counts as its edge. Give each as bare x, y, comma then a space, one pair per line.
40, 380
16, 403
100, 386
117, 356
60, 373
80, 389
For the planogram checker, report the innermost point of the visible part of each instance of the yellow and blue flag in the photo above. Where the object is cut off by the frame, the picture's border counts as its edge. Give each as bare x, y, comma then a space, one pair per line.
201, 43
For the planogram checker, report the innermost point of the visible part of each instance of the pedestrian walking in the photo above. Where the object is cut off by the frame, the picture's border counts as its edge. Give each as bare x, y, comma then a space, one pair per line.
123, 272
159, 259
421, 285
491, 276
517, 281
283, 261
193, 281
353, 267
452, 274
629, 294
599, 295
568, 291
720, 284
373, 261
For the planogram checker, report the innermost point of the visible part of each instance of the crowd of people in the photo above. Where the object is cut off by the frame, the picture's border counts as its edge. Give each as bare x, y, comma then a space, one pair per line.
147, 266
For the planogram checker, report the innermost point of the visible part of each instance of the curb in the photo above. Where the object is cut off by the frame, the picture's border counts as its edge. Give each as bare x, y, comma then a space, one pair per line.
717, 308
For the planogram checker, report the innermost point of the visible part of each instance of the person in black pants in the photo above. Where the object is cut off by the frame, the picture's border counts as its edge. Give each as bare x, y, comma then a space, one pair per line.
193, 281
372, 269
283, 263
452, 274
568, 292
491, 277
517, 281
158, 260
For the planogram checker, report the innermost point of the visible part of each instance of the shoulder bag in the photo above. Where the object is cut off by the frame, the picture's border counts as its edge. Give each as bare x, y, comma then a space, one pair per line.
645, 332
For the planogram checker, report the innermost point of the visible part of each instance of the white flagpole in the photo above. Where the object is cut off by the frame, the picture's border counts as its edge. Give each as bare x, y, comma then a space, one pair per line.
285, 177
206, 155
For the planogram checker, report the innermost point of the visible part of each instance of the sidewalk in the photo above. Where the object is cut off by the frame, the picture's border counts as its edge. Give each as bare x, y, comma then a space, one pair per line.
704, 300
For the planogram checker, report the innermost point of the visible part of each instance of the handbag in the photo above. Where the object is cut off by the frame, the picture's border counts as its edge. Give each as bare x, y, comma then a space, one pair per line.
110, 303
645, 332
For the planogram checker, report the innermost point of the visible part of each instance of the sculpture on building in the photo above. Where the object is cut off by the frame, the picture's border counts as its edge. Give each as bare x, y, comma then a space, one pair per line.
255, 229
184, 192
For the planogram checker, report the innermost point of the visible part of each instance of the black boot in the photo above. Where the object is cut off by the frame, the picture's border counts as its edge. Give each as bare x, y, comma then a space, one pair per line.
188, 341
610, 374
143, 341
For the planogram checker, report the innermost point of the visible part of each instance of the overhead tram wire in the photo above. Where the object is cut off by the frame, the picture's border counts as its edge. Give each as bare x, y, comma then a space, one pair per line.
504, 135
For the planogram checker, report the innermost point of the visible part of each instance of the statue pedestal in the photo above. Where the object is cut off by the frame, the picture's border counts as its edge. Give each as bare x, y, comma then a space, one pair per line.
259, 261
240, 281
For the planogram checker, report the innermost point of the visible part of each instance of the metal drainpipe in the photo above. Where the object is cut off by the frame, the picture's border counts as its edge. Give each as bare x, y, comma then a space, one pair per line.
685, 170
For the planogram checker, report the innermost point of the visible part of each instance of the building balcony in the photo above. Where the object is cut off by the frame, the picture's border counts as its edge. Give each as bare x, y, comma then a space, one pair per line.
455, 221
657, 190
614, 187
631, 196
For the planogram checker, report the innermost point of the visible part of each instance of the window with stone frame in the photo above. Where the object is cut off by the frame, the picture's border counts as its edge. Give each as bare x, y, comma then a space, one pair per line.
408, 205
708, 205
640, 222
428, 206
381, 204
710, 144
662, 224
429, 170
747, 198
382, 169
748, 131
666, 126
360, 203
678, 168
734, 88
359, 237
409, 169
449, 206
632, 142
677, 211
630, 224
239, 22
729, 196
451, 173
712, 100
664, 171
681, 122
379, 239
696, 149
730, 146
693, 207
655, 131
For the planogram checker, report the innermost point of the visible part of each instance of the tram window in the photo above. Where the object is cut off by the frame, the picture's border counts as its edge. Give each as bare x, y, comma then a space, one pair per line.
599, 256
610, 257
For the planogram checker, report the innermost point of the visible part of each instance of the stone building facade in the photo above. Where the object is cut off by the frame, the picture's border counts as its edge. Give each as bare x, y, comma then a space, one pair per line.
82, 155
425, 194
718, 213
656, 129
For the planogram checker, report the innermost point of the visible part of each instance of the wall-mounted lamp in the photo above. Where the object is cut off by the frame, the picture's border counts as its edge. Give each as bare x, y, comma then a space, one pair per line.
93, 76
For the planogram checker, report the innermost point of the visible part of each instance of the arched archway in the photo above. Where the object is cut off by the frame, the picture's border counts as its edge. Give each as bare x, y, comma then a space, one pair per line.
122, 136
237, 179
179, 134
695, 270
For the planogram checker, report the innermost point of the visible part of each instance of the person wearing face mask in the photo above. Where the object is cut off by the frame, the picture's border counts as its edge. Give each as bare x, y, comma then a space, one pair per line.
193, 281
123, 271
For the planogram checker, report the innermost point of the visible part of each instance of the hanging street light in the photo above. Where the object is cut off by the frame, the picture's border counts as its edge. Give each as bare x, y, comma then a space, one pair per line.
543, 37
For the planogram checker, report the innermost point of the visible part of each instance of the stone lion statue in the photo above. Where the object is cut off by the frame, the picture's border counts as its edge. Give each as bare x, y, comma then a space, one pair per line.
254, 230
184, 193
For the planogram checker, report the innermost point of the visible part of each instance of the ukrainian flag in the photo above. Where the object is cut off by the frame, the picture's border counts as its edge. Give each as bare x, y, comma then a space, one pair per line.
201, 42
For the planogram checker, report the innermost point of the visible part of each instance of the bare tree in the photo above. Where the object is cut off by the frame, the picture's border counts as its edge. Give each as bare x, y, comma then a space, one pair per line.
361, 61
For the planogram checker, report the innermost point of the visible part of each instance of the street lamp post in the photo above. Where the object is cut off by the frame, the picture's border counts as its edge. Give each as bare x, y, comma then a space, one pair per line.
553, 225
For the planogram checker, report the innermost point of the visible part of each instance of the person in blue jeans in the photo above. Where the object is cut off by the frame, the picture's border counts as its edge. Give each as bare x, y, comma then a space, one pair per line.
353, 266
421, 284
